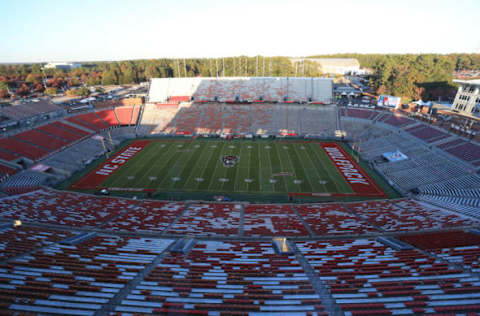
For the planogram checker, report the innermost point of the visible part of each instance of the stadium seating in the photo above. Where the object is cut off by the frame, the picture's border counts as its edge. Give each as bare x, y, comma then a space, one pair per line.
427, 133
466, 151
109, 117
179, 98
457, 247
235, 89
149, 216
73, 129
366, 277
42, 140
15, 241
186, 120
6, 171
218, 277
75, 157
465, 206
57, 129
46, 271
19, 147
272, 220
407, 215
63, 208
208, 219
127, 115
210, 120
236, 119
8, 156
359, 113
333, 219
396, 120
75, 279
90, 121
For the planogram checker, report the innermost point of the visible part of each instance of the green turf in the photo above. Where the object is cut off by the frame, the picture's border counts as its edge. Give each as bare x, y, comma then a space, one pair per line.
178, 166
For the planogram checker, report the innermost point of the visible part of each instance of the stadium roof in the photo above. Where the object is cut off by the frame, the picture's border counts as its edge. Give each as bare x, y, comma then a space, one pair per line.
475, 82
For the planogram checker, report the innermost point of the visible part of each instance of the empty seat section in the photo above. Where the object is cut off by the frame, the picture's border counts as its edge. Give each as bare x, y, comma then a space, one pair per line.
208, 219
41, 139
8, 156
333, 219
396, 120
55, 129
89, 120
366, 277
407, 215
272, 220
63, 208
108, 116
124, 115
15, 241
75, 279
218, 277
428, 134
136, 111
73, 129
179, 98
6, 171
22, 149
147, 216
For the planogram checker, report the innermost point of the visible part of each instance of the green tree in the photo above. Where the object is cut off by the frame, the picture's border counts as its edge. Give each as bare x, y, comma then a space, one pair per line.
3, 90
109, 78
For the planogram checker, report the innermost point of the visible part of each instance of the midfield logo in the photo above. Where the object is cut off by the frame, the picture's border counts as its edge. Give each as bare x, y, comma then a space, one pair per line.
229, 161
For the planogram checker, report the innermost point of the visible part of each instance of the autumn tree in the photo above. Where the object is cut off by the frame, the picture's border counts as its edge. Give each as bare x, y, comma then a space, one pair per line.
51, 91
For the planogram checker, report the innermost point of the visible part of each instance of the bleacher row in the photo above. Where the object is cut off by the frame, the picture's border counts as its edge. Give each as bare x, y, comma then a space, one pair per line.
373, 140
41, 141
241, 89
46, 271
210, 219
458, 147
208, 118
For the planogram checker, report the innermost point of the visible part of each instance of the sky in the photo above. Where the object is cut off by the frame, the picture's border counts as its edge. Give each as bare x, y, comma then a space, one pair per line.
94, 30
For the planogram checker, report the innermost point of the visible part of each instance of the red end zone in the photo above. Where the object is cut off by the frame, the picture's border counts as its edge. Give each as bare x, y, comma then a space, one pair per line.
359, 181
96, 177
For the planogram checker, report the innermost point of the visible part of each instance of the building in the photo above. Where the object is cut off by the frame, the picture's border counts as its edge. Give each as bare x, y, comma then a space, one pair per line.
468, 96
340, 66
62, 65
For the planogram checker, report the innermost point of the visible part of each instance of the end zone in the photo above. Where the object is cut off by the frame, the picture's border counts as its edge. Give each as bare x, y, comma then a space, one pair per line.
360, 182
96, 177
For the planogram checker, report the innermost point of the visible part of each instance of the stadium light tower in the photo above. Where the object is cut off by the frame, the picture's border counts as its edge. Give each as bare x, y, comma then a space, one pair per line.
185, 67
263, 72
303, 67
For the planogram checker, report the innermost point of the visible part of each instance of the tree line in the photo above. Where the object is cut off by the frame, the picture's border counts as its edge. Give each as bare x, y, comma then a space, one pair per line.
427, 76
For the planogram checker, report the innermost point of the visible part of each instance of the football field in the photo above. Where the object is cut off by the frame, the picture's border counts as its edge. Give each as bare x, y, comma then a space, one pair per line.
238, 166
